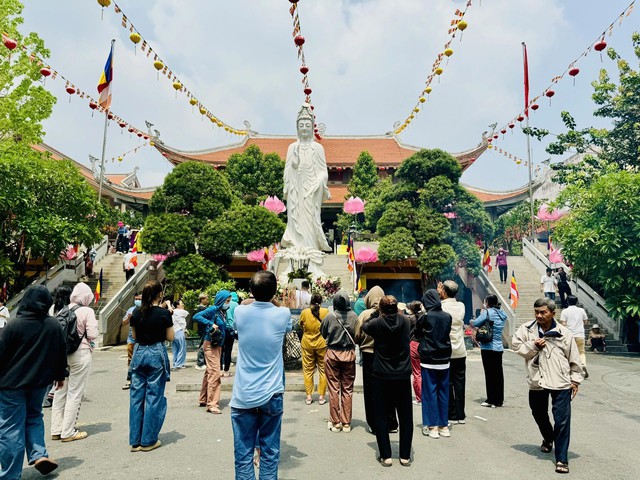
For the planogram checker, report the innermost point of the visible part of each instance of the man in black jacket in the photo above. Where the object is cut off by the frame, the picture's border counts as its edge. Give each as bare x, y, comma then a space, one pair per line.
433, 329
32, 355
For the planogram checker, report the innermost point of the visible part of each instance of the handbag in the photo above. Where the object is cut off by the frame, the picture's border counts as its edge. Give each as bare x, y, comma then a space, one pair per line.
484, 334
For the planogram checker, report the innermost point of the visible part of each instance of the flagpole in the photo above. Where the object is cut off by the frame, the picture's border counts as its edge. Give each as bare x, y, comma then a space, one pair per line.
526, 67
104, 141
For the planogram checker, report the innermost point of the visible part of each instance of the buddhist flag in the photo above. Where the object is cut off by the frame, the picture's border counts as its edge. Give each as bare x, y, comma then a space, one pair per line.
99, 287
513, 294
104, 85
351, 259
486, 259
134, 256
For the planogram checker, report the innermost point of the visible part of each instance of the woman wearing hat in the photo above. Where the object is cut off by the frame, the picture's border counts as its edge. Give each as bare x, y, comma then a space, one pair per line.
596, 339
501, 263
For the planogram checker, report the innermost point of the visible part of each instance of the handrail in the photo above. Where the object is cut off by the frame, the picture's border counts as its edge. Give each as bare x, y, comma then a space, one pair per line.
591, 300
102, 249
15, 300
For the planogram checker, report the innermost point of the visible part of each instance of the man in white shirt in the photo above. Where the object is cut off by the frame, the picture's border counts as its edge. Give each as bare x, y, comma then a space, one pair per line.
573, 318
549, 285
4, 314
128, 266
303, 297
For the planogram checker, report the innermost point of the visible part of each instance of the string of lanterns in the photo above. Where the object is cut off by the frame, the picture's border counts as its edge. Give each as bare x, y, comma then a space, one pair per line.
299, 42
70, 87
163, 69
599, 45
458, 24
510, 156
134, 150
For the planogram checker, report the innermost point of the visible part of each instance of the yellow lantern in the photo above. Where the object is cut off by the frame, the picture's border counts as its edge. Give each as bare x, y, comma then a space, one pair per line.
416, 110
439, 71
151, 144
411, 116
489, 147
448, 52
177, 85
104, 3
135, 37
219, 123
422, 99
518, 161
158, 65
462, 25
226, 128
193, 101
428, 90
120, 159
203, 110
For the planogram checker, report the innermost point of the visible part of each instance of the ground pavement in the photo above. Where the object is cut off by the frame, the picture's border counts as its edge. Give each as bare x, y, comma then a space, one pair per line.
495, 443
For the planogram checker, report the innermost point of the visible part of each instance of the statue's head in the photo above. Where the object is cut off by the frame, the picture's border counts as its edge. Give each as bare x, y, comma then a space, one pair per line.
304, 123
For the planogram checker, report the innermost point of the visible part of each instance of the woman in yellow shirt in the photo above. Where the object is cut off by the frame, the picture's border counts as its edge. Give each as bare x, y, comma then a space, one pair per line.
313, 348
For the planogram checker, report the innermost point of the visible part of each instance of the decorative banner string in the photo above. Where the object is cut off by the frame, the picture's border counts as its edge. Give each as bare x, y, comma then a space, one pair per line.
134, 150
299, 40
572, 70
70, 87
162, 68
510, 156
457, 24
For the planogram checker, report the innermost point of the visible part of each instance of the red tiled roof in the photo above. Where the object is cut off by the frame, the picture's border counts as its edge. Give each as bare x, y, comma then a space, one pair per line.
485, 196
340, 151
116, 178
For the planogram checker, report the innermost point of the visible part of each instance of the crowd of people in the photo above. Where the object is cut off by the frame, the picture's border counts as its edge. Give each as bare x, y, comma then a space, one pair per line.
423, 339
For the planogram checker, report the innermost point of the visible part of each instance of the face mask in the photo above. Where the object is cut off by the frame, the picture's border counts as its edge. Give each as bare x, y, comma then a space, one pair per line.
225, 306
137, 303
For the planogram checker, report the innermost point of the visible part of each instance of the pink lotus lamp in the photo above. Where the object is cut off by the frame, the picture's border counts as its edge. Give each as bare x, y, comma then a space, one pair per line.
274, 204
354, 205
366, 255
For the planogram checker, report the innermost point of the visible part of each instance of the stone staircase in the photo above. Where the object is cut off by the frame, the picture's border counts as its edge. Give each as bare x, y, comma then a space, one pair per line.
528, 280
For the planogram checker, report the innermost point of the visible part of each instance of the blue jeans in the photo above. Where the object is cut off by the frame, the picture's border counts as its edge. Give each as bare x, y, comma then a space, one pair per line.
21, 429
435, 397
551, 295
266, 422
148, 405
179, 349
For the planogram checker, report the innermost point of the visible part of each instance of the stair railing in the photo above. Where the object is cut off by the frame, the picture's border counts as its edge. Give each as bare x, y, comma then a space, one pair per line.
589, 298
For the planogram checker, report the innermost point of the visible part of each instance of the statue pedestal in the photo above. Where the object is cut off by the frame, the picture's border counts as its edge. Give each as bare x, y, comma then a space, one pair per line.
297, 258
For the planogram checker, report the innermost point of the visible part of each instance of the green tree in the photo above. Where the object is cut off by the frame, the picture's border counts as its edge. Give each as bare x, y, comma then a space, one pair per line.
192, 272
45, 205
600, 238
242, 229
254, 175
512, 226
168, 233
195, 190
365, 176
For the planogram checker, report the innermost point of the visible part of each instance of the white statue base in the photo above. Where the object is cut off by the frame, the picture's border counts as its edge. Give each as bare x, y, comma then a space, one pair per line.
297, 258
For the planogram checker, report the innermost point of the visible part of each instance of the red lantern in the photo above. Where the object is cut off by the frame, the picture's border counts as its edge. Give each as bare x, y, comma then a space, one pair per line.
489, 140
93, 106
313, 108
70, 90
304, 69
298, 40
110, 116
122, 124
534, 106
573, 72
294, 1
495, 136
164, 154
503, 131
130, 129
139, 134
45, 71
549, 93
10, 43
520, 118
600, 46
307, 91
511, 125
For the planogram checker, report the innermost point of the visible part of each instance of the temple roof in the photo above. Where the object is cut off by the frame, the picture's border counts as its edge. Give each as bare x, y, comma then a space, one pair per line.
341, 151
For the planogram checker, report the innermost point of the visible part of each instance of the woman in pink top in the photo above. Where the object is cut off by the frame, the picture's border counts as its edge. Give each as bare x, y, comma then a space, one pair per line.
501, 263
67, 400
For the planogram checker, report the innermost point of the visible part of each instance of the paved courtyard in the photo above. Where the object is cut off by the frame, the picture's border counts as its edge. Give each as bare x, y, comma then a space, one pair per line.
495, 443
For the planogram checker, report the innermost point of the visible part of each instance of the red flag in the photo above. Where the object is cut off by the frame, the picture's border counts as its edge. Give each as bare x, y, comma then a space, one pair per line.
526, 80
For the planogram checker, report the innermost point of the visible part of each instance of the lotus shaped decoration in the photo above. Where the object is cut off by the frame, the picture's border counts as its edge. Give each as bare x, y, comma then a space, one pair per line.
259, 255
354, 205
547, 215
274, 204
366, 255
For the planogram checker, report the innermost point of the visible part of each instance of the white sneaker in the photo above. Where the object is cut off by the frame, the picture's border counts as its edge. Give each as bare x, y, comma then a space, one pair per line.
444, 431
462, 422
203, 367
488, 405
430, 432
453, 422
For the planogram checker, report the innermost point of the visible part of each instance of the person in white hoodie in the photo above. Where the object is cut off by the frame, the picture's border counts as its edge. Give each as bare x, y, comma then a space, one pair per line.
67, 400
179, 344
553, 370
457, 365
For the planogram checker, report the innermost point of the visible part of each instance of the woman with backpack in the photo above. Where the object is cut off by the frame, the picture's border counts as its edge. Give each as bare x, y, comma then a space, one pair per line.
491, 351
338, 329
67, 400
313, 348
213, 318
151, 326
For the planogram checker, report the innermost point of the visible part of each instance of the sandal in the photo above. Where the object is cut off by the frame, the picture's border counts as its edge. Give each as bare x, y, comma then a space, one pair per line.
562, 467
308, 401
321, 401
546, 446
385, 462
405, 462
214, 410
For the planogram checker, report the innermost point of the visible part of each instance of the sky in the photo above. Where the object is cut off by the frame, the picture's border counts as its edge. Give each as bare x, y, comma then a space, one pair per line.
368, 62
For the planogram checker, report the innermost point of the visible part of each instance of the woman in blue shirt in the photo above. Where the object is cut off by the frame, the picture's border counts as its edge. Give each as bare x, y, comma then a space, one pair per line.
491, 352
213, 318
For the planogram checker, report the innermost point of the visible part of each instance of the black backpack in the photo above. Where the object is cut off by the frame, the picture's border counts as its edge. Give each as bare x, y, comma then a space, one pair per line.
69, 323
